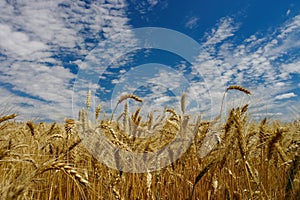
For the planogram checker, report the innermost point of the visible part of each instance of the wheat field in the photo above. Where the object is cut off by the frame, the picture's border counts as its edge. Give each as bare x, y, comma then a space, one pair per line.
242, 159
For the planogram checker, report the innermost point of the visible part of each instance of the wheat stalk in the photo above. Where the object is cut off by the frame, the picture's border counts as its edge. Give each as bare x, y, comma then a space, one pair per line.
183, 97
150, 120
149, 183
70, 125
201, 174
88, 99
294, 169
125, 117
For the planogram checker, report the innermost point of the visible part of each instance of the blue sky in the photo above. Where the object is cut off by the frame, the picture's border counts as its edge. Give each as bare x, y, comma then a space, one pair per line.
45, 45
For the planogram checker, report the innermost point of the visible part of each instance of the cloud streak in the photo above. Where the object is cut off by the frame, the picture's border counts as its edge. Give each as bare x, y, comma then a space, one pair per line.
286, 96
36, 37
38, 42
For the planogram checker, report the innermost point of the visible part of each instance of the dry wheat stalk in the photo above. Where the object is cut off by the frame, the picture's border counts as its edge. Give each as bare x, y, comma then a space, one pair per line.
7, 117
227, 192
173, 124
281, 152
200, 175
294, 169
70, 125
124, 97
183, 97
149, 183
273, 140
55, 136
172, 111
125, 117
83, 120
131, 96
31, 127
116, 194
135, 116
241, 139
244, 108
97, 112
71, 171
233, 87
240, 88
150, 120
51, 128
115, 137
88, 99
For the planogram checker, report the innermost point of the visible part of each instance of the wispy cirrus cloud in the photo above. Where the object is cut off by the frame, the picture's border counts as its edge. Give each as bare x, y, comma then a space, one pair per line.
38, 42
192, 22
35, 40
256, 63
286, 96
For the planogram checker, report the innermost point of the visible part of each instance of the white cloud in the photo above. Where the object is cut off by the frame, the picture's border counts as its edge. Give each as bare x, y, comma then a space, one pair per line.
192, 22
145, 6
153, 2
255, 63
18, 44
224, 30
286, 96
293, 67
34, 36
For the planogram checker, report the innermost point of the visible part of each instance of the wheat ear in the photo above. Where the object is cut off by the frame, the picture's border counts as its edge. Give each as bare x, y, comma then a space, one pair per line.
7, 117
237, 87
31, 127
97, 112
233, 87
88, 99
124, 97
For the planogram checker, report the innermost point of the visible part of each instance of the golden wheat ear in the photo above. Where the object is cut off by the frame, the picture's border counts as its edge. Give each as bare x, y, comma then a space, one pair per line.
88, 99
129, 96
7, 117
124, 97
237, 87
97, 112
233, 87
